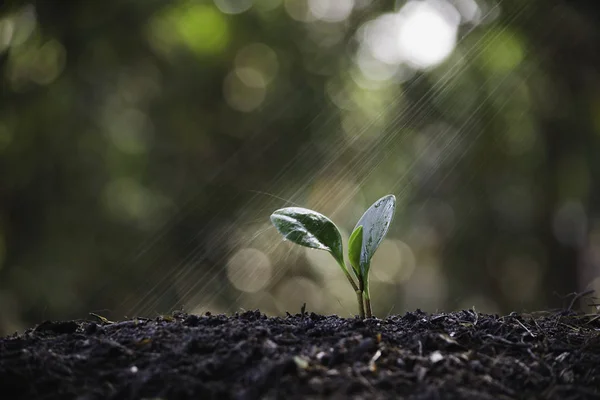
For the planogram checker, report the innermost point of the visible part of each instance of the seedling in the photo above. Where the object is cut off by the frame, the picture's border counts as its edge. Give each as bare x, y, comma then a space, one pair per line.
311, 229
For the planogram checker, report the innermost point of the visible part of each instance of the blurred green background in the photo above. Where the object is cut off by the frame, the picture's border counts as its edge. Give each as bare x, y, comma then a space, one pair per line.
144, 144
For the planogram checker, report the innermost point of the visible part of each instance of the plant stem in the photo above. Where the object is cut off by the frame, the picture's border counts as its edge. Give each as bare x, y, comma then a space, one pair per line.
357, 290
368, 307
351, 280
361, 292
361, 308
367, 300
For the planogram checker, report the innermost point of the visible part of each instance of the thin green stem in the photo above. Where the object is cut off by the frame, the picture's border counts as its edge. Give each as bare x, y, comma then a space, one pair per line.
357, 290
367, 299
360, 292
361, 308
354, 286
368, 307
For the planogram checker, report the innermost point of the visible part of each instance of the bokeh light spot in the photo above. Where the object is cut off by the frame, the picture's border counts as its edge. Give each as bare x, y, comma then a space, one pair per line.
233, 6
265, 6
420, 35
299, 10
504, 52
380, 38
242, 96
7, 29
130, 131
469, 10
127, 200
201, 28
50, 61
260, 58
331, 10
427, 32
374, 69
521, 137
24, 23
249, 270
251, 77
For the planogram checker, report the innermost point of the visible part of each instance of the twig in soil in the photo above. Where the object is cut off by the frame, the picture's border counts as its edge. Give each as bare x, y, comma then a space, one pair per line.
476, 316
526, 328
577, 296
102, 319
506, 341
538, 326
593, 319
372, 365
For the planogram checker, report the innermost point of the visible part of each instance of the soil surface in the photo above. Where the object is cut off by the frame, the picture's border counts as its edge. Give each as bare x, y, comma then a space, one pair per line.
461, 355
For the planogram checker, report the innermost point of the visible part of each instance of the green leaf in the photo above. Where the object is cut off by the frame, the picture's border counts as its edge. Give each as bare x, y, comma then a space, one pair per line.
311, 229
375, 222
354, 249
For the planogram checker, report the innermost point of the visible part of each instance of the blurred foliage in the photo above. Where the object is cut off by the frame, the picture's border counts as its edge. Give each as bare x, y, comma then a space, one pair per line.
144, 144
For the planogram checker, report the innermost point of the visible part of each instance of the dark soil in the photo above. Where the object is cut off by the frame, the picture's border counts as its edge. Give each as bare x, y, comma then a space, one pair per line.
462, 355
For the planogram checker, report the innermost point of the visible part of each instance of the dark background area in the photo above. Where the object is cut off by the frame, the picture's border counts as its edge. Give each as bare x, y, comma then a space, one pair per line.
144, 144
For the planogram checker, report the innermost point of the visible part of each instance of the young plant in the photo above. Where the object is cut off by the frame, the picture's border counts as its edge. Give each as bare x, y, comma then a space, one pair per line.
312, 229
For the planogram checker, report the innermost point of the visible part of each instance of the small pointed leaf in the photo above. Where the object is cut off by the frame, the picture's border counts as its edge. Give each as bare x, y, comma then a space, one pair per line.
375, 222
354, 249
309, 228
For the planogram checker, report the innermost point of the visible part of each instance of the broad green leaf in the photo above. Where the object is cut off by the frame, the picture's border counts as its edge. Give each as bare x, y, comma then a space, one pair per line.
375, 222
354, 249
311, 229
